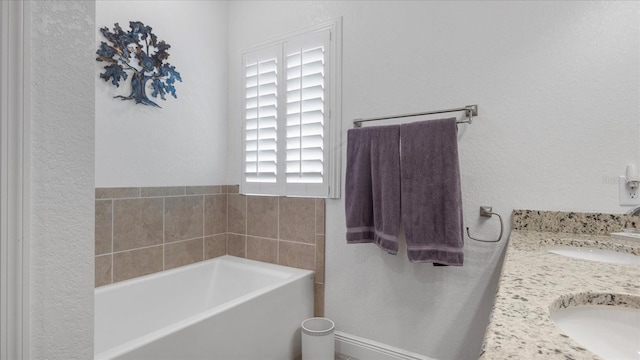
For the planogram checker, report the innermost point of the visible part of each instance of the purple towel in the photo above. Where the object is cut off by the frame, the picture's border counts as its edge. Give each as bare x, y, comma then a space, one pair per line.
431, 196
372, 195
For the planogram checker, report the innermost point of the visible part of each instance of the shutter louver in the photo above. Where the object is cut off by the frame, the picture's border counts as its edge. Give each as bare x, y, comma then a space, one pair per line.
305, 113
261, 117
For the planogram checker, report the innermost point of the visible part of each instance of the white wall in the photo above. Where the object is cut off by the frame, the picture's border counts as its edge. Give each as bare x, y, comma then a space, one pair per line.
557, 87
62, 248
184, 143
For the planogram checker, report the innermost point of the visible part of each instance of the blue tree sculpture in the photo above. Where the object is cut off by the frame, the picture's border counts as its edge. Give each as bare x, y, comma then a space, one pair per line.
137, 51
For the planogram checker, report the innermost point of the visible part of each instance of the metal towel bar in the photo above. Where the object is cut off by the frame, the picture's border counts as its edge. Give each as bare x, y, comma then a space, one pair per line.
470, 111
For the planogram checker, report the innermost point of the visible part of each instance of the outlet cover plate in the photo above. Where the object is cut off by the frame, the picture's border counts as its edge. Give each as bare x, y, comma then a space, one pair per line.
627, 197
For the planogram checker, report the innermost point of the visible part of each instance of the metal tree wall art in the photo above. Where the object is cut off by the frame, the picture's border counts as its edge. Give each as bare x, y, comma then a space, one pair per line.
139, 53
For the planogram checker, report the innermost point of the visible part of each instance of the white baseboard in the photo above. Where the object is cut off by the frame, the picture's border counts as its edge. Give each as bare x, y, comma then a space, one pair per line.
365, 349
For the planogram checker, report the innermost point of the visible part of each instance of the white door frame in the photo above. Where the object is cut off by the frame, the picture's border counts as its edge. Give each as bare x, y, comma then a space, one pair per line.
15, 179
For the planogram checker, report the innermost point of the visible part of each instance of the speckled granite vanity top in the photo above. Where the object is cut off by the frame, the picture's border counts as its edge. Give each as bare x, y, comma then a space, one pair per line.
534, 282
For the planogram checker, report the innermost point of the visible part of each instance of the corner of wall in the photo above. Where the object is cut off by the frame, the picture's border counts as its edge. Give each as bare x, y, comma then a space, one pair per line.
62, 149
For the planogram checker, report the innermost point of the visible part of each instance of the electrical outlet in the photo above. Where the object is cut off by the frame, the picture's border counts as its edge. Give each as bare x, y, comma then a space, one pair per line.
628, 196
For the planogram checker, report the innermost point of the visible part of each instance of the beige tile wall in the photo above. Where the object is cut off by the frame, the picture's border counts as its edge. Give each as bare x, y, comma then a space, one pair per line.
280, 230
140, 231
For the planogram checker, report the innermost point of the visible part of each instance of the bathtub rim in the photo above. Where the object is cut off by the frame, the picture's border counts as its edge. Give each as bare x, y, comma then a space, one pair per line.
297, 274
273, 268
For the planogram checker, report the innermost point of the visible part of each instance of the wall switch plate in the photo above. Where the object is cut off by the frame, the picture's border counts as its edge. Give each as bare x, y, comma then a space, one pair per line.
628, 196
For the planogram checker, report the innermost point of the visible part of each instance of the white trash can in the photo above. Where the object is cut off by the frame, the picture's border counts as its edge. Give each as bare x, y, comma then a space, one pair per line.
317, 339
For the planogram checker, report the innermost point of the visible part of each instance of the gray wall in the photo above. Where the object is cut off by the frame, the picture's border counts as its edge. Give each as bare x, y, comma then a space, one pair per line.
62, 209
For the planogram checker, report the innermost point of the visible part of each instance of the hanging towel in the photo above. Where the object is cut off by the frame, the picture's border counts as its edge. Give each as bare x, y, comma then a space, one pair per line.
372, 190
431, 196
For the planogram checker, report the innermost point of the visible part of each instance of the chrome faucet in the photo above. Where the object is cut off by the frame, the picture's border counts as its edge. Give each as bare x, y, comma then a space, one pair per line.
635, 212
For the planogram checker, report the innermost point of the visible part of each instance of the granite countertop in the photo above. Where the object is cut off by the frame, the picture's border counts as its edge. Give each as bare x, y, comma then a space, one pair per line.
534, 282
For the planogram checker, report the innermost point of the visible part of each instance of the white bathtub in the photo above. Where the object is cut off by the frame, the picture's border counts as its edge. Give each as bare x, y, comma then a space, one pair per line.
224, 308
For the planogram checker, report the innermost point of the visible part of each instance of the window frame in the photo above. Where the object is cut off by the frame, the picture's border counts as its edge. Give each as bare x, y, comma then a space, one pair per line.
330, 188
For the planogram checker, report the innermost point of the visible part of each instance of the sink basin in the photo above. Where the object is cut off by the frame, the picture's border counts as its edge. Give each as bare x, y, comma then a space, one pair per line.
593, 254
611, 332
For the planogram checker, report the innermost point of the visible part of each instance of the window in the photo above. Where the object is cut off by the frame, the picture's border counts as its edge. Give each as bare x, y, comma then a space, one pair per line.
291, 127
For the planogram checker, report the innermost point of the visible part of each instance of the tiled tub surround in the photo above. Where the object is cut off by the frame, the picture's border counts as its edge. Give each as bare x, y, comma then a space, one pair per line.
280, 230
535, 282
140, 231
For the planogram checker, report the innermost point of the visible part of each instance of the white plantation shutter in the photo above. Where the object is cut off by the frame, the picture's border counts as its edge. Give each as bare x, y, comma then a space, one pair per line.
287, 117
306, 68
305, 117
261, 119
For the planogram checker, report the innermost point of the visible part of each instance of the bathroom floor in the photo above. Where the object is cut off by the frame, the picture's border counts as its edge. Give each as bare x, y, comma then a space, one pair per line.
338, 357
344, 357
